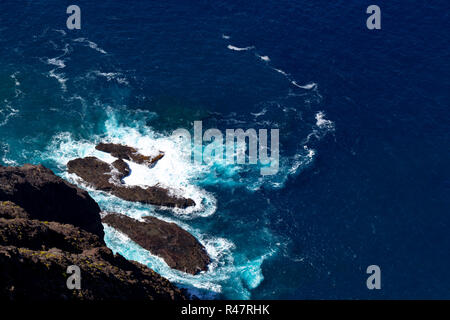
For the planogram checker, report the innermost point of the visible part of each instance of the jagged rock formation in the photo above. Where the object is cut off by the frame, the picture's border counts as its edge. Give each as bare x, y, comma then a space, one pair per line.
175, 245
122, 169
128, 153
46, 225
106, 177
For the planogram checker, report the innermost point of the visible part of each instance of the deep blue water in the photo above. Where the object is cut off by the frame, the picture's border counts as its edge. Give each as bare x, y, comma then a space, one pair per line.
363, 117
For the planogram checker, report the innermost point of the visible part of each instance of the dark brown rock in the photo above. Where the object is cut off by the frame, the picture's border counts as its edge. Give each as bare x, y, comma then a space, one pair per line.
151, 195
34, 256
10, 210
106, 177
122, 168
176, 246
41, 275
44, 235
46, 197
128, 153
94, 171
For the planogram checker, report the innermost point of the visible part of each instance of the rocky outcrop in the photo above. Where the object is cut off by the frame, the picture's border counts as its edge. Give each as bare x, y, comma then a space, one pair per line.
38, 242
176, 246
106, 177
122, 168
44, 196
41, 275
152, 195
17, 231
128, 153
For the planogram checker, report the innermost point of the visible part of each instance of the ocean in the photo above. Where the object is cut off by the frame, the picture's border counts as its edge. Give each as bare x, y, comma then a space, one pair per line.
363, 119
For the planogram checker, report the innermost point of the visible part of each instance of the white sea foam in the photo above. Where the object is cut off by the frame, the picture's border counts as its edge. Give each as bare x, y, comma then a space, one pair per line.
264, 58
322, 127
14, 77
56, 62
289, 165
240, 49
323, 123
7, 112
66, 50
261, 113
9, 162
117, 76
173, 171
62, 32
301, 160
280, 71
309, 86
59, 63
5, 149
59, 77
306, 86
90, 44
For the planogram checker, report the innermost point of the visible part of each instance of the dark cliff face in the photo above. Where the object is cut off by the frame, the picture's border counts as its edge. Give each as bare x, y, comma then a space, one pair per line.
45, 196
44, 228
175, 245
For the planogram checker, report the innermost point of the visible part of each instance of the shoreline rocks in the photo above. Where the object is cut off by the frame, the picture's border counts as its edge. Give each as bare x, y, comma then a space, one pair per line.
106, 177
45, 196
31, 275
46, 225
179, 249
128, 153
122, 168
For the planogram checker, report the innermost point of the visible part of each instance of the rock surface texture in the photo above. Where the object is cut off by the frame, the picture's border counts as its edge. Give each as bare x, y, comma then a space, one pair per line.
128, 153
46, 196
175, 245
103, 176
46, 225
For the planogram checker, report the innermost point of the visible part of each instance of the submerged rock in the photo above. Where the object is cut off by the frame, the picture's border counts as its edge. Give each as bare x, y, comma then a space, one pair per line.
128, 153
41, 235
176, 246
106, 177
